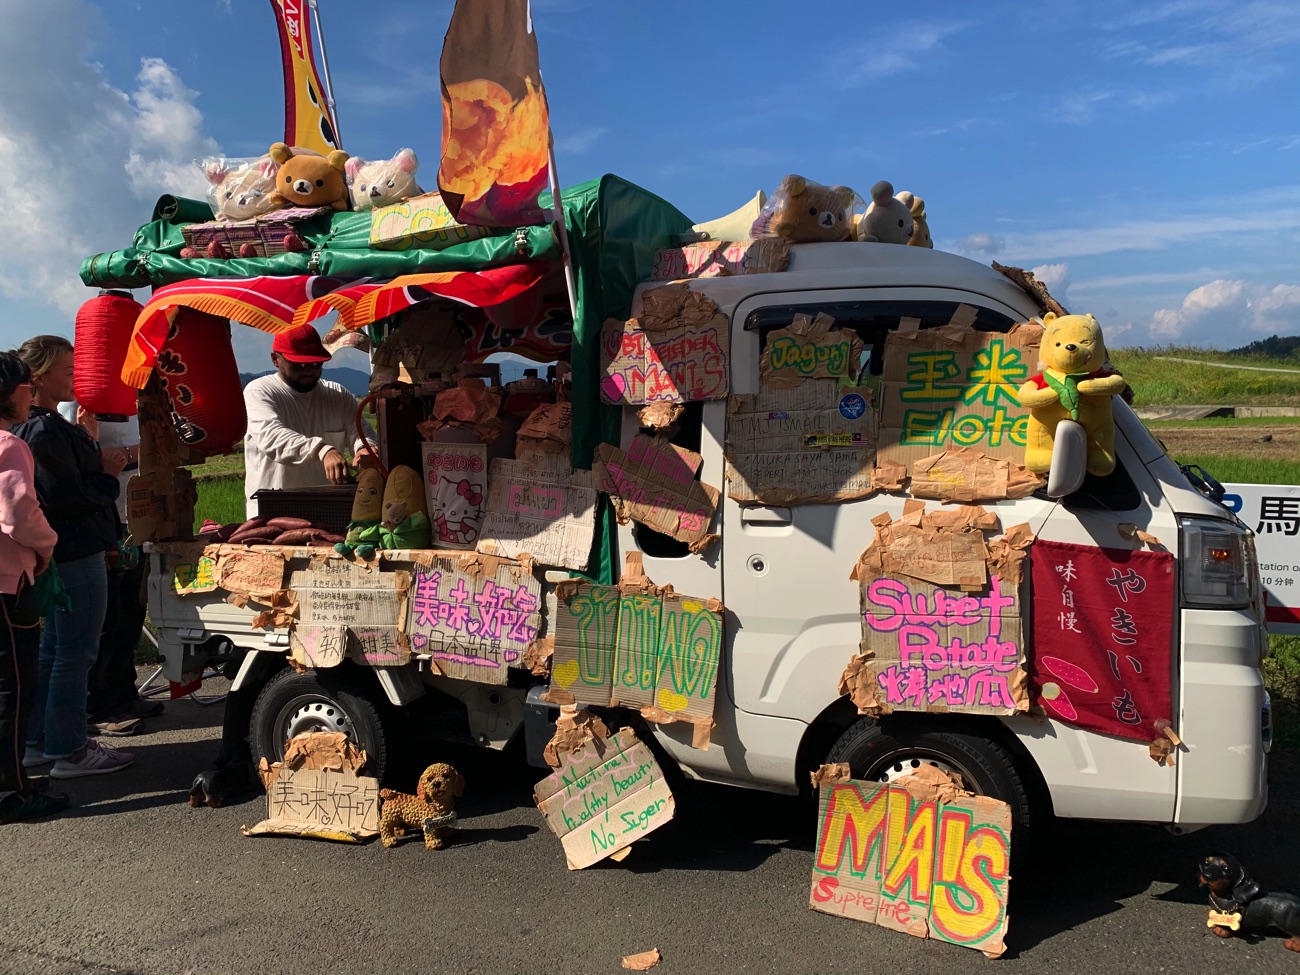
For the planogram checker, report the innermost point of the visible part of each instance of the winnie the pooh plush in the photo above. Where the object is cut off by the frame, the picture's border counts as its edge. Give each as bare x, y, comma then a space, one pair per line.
803, 211
887, 220
308, 180
406, 511
1075, 384
920, 226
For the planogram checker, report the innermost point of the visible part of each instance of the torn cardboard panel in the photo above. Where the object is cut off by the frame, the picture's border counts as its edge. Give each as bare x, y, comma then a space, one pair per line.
194, 571
601, 800
249, 573
950, 387
861, 685
470, 405
813, 443
324, 803
473, 615
721, 258
809, 349
548, 429
348, 610
538, 505
573, 730
968, 474
660, 418
676, 352
828, 775
426, 343
917, 857
455, 487
653, 483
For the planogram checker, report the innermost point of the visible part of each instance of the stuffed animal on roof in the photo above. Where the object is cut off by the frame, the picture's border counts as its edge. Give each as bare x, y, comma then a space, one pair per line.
887, 220
308, 180
1075, 384
240, 189
381, 182
803, 211
920, 227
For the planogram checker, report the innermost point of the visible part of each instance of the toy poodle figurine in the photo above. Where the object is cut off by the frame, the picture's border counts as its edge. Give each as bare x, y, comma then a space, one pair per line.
1238, 902
431, 809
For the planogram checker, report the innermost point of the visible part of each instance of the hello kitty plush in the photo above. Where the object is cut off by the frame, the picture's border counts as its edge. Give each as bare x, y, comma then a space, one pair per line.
240, 189
385, 181
458, 512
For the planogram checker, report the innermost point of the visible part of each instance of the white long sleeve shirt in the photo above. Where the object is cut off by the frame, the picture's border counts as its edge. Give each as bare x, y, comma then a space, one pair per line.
289, 434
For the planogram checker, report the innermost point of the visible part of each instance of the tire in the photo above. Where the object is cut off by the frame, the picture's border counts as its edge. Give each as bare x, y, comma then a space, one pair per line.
292, 703
986, 768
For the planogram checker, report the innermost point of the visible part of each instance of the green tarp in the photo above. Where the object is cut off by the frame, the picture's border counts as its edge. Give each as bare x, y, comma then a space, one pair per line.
614, 229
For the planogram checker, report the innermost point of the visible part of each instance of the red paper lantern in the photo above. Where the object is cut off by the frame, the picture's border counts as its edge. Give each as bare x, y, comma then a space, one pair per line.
198, 370
104, 326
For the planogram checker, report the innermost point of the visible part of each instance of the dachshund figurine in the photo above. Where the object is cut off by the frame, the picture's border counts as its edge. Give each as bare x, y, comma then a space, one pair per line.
1238, 902
431, 809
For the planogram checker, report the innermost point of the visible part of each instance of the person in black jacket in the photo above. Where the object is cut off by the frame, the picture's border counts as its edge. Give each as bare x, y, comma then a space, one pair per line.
77, 490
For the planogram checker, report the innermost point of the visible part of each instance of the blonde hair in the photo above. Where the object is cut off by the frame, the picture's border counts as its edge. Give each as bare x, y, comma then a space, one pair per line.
41, 352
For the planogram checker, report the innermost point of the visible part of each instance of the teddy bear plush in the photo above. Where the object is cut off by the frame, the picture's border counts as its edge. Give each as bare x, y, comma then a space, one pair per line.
803, 211
240, 189
381, 182
405, 522
920, 227
887, 220
1075, 384
307, 180
365, 531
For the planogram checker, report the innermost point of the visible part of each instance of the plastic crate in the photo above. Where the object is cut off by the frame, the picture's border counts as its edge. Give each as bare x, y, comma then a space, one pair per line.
329, 506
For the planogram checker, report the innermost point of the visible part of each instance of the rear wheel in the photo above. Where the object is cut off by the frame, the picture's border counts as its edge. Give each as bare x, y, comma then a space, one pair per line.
986, 768
293, 703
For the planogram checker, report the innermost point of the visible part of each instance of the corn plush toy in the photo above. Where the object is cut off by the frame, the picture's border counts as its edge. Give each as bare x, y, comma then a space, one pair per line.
1075, 384
405, 521
364, 530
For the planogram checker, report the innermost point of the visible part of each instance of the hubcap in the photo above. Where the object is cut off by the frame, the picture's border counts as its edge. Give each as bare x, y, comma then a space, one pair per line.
312, 713
899, 765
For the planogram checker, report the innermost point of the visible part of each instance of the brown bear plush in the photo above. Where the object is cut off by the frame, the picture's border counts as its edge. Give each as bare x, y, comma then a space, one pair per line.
802, 211
308, 180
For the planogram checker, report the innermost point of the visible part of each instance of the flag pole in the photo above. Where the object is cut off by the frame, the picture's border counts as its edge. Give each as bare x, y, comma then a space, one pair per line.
325, 64
558, 212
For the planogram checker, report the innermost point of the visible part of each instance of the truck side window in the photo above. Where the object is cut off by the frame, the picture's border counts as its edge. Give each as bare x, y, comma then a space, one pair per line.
657, 545
1114, 492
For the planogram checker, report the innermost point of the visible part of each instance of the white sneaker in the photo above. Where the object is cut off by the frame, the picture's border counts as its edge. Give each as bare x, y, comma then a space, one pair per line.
94, 759
34, 757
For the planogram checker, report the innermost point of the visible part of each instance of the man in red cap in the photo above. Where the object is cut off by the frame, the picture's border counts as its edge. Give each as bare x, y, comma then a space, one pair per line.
300, 427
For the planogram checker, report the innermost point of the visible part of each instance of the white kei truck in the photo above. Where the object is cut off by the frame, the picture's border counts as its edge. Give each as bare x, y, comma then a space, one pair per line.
792, 614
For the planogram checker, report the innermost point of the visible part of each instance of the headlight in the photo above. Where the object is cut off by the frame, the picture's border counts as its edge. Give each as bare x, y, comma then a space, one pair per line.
1217, 564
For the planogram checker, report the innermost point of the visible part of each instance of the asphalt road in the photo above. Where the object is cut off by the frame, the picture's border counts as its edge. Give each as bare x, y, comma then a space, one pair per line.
134, 881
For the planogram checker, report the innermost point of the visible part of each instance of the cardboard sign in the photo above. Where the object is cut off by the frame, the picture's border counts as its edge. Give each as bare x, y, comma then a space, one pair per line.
455, 485
250, 573
651, 649
809, 349
968, 474
474, 620
426, 342
540, 506
364, 624
719, 258
654, 483
951, 387
335, 804
813, 443
1103, 638
603, 798
193, 572
549, 429
423, 222
905, 858
676, 352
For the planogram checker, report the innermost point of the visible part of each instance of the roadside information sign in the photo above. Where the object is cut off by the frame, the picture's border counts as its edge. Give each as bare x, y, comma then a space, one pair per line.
1272, 511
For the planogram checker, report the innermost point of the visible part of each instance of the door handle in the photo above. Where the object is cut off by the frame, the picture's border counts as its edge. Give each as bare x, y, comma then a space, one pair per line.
768, 517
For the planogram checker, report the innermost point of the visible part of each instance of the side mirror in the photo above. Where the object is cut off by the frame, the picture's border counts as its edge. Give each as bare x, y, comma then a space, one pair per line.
1069, 459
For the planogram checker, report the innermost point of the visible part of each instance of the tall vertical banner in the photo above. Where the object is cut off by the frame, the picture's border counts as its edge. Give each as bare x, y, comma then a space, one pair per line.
308, 122
496, 125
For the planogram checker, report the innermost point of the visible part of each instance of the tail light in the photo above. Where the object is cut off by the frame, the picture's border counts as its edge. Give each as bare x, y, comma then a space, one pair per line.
1218, 565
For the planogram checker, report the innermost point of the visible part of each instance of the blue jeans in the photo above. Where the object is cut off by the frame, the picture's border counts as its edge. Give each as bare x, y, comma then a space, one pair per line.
68, 651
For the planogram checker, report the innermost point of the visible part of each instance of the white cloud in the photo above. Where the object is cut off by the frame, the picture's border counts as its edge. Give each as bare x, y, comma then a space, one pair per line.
84, 160
1055, 278
981, 243
579, 141
1222, 308
902, 47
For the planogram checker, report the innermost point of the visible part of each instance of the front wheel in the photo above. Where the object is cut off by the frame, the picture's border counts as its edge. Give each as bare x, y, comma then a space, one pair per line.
986, 768
293, 703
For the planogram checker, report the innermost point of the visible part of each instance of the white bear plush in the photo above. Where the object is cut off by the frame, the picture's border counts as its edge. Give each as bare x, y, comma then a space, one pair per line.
887, 220
377, 184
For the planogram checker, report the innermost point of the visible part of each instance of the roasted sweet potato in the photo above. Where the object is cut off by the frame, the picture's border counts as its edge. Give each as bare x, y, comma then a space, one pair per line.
286, 523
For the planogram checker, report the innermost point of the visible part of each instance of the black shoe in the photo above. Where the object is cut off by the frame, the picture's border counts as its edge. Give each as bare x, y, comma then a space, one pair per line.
142, 708
31, 805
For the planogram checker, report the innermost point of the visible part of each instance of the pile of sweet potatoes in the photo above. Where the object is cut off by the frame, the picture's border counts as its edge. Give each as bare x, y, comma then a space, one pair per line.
272, 531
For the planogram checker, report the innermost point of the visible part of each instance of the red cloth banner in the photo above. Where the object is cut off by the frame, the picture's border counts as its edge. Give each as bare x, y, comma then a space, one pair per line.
1103, 637
477, 288
496, 125
307, 119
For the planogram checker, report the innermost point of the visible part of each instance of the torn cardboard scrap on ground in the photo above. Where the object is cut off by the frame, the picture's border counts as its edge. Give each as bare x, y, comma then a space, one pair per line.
942, 617
675, 352
968, 474
814, 443
539, 506
603, 798
953, 386
653, 483
921, 855
809, 349
642, 961
317, 791
474, 615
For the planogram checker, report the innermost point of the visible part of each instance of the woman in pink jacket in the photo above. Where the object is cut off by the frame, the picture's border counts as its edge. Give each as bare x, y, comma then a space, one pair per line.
26, 544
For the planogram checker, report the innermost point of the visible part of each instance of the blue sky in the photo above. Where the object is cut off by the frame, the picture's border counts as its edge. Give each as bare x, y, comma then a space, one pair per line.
1145, 157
